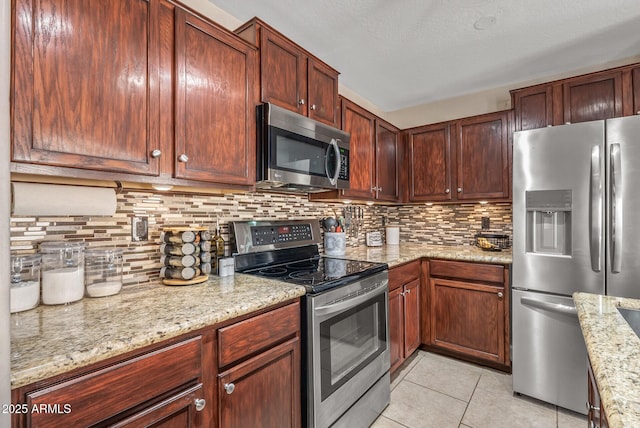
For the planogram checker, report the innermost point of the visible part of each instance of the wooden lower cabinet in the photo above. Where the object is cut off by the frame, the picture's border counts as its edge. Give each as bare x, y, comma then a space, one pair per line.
595, 412
404, 312
469, 311
176, 384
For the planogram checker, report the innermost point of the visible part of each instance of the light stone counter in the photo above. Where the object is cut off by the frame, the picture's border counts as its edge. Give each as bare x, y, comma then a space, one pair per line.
614, 352
395, 255
50, 340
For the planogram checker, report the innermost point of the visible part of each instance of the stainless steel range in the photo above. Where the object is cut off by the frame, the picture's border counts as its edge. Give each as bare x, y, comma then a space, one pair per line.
345, 311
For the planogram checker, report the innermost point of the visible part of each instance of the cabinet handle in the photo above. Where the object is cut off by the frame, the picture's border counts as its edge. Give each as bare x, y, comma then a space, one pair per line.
459, 189
229, 388
200, 403
447, 190
313, 107
500, 294
301, 102
183, 158
156, 153
408, 291
379, 189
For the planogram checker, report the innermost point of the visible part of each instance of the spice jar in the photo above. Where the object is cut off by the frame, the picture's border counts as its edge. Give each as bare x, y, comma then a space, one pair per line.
103, 271
62, 272
25, 282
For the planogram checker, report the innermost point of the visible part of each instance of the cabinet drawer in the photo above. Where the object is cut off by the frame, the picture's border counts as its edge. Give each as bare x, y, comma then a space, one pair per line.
468, 271
97, 396
255, 334
403, 274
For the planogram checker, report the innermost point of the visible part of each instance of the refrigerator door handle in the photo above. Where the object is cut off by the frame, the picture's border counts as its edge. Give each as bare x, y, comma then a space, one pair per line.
553, 307
615, 225
595, 210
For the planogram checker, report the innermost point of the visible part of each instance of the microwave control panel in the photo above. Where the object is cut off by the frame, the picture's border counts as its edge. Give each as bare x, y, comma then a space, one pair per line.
344, 165
264, 235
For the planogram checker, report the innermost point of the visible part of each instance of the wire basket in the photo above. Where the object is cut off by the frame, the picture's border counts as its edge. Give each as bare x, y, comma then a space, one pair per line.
492, 241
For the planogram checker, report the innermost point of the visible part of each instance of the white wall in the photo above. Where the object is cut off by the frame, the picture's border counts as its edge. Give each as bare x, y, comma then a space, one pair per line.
5, 346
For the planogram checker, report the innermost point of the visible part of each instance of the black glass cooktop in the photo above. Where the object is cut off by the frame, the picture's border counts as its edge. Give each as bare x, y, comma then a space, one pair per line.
319, 273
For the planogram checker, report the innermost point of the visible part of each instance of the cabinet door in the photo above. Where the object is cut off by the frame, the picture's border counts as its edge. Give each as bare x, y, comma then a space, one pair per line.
592, 97
468, 318
322, 89
361, 125
81, 101
635, 78
215, 104
396, 328
483, 164
411, 306
429, 154
387, 154
263, 391
283, 73
533, 107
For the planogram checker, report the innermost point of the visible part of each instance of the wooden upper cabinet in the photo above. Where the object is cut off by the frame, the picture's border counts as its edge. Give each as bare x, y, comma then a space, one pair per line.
215, 103
361, 125
322, 95
592, 97
533, 107
387, 161
483, 160
429, 155
86, 102
291, 77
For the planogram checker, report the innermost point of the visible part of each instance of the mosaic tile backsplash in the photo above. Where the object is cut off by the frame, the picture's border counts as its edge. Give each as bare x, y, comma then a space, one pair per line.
437, 224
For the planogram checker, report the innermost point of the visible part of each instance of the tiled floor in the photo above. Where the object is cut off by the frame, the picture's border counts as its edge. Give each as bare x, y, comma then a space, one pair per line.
435, 391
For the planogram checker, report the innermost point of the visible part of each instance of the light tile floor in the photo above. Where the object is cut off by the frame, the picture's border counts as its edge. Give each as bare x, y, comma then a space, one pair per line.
430, 390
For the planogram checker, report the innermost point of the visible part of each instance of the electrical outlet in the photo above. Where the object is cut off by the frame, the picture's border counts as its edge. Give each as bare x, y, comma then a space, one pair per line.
139, 228
486, 225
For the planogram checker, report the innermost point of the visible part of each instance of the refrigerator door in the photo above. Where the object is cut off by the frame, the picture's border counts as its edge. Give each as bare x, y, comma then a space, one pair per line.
623, 206
549, 354
558, 209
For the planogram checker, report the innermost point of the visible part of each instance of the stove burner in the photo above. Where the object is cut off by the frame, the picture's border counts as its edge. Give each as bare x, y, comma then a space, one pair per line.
273, 271
305, 264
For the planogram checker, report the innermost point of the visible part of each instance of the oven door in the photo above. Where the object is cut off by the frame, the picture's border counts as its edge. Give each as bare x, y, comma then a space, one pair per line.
349, 345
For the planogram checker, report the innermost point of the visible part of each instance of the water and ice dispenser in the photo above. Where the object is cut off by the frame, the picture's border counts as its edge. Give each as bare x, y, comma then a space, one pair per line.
549, 222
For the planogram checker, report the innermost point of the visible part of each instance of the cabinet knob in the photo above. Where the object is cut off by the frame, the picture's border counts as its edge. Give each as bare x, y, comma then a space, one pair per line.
156, 153
229, 388
567, 123
183, 158
500, 294
313, 107
301, 102
379, 189
459, 189
408, 291
447, 190
638, 112
592, 408
200, 404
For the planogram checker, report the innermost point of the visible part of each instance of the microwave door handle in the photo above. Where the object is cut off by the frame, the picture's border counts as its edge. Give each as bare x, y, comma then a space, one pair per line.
333, 145
615, 224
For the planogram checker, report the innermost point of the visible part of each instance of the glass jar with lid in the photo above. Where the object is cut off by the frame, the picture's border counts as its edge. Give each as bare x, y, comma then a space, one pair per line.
62, 272
25, 282
103, 271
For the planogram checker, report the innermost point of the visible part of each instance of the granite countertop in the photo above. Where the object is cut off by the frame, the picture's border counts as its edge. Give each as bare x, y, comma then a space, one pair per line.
395, 255
50, 340
614, 352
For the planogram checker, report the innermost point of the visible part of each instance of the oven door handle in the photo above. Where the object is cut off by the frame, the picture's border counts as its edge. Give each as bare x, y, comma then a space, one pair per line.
380, 288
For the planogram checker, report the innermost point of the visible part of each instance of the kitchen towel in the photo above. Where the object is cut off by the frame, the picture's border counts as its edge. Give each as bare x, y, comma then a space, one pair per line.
41, 200
392, 235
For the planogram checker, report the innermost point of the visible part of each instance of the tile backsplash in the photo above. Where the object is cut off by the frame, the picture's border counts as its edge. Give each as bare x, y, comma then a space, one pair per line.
437, 224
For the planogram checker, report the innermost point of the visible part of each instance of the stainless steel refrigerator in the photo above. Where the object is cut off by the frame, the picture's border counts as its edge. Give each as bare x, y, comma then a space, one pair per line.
576, 201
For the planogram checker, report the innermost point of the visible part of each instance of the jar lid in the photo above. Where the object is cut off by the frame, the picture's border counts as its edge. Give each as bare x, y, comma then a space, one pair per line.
56, 246
97, 252
27, 260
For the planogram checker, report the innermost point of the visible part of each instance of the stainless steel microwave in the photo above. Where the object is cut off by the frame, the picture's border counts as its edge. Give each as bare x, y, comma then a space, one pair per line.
297, 154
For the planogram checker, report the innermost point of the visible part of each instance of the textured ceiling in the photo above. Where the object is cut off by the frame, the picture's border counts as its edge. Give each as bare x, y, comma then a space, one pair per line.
403, 53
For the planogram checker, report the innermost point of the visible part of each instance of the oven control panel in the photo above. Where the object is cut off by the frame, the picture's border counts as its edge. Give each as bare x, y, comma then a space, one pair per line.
265, 235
